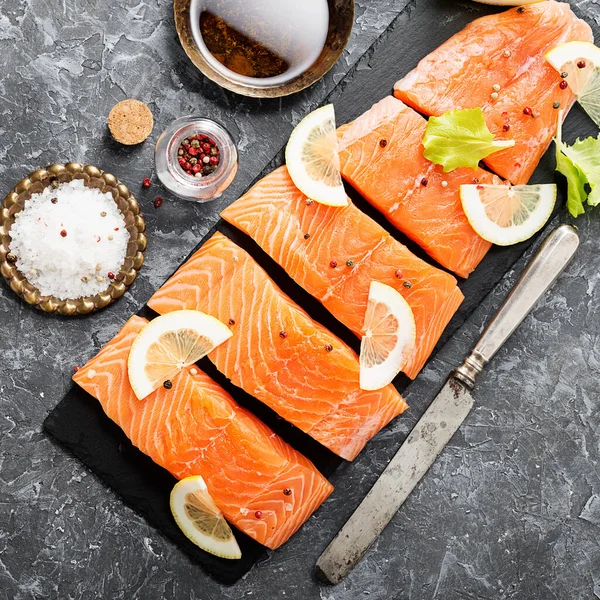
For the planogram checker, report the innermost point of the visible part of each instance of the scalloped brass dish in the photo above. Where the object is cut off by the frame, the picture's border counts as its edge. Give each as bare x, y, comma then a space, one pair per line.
341, 19
92, 177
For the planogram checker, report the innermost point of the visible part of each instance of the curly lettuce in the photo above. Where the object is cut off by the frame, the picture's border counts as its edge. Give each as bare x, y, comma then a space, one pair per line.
580, 164
460, 138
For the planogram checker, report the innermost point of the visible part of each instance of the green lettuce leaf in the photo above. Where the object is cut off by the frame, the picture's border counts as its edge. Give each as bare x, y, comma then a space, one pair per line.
580, 164
460, 138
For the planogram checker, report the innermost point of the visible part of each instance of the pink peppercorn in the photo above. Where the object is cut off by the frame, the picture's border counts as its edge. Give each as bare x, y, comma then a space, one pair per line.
563, 85
147, 182
258, 514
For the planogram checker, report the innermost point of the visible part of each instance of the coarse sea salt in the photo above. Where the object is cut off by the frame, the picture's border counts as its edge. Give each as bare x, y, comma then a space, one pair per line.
68, 239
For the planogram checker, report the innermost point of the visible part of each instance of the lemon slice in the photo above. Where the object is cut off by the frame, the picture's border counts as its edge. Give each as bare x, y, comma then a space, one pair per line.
197, 515
506, 215
580, 62
312, 158
389, 337
168, 344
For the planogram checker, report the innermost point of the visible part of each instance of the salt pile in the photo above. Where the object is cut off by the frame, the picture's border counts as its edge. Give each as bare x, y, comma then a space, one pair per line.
69, 241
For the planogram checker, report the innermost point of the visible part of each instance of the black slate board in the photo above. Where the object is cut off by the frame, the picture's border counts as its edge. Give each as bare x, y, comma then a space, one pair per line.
79, 423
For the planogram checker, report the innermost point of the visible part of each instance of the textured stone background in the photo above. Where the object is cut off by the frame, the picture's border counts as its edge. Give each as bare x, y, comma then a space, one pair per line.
512, 508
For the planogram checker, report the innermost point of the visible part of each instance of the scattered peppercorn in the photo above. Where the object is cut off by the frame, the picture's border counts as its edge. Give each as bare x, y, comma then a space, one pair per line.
475, 180
103, 213
424, 181
407, 284
287, 492
333, 264
444, 184
518, 165
349, 263
258, 514
556, 104
63, 233
306, 236
198, 155
505, 127
110, 275
563, 85
507, 53
168, 384
479, 187
76, 368
581, 64
54, 200
383, 143
158, 202
309, 202
11, 258
283, 334
398, 274
564, 74
521, 9
231, 322
527, 111
494, 95
147, 182
328, 348
496, 87
55, 183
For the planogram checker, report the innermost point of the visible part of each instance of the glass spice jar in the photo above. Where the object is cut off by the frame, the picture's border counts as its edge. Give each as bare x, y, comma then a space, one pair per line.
188, 185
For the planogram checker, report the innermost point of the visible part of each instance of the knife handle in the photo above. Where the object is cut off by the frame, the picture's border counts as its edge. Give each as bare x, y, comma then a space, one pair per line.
548, 263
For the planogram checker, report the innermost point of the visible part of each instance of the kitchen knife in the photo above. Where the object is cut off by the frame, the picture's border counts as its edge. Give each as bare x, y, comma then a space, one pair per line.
445, 414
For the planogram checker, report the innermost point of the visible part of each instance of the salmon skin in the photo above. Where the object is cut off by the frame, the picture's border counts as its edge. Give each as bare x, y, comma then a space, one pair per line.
381, 155
504, 50
278, 353
196, 428
279, 217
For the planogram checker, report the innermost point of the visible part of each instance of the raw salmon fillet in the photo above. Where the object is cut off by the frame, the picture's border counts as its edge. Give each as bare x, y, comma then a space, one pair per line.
506, 49
196, 428
278, 217
277, 352
381, 155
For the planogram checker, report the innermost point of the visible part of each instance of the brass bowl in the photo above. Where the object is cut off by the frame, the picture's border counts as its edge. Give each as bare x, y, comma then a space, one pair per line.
92, 177
341, 19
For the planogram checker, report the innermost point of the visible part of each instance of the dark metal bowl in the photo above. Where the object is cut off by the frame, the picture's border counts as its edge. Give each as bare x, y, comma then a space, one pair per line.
341, 19
92, 177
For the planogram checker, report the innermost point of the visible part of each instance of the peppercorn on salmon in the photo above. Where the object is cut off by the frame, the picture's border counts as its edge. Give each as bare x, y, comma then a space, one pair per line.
497, 62
381, 155
277, 352
196, 428
335, 253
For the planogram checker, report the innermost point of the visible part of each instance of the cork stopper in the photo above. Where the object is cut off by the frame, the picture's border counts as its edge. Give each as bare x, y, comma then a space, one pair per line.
130, 122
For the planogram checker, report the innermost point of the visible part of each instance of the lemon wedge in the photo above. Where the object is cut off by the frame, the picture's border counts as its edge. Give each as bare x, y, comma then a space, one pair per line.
168, 344
506, 215
199, 518
579, 63
389, 337
312, 158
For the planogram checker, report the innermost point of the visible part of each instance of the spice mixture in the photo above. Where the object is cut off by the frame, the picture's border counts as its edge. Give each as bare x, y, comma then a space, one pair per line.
199, 155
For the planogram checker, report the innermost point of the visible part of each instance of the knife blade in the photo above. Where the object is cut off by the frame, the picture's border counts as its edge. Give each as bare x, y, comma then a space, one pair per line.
445, 414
